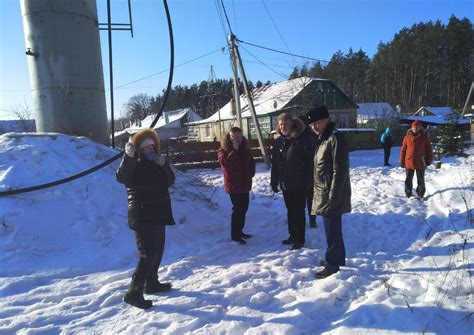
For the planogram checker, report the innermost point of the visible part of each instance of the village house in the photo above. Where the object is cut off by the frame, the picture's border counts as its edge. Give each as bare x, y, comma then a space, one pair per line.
170, 125
294, 96
372, 114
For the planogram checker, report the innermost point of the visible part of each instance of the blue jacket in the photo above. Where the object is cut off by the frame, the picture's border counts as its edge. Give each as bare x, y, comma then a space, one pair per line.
386, 138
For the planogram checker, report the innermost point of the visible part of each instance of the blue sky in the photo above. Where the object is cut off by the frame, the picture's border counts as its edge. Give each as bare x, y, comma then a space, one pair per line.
312, 28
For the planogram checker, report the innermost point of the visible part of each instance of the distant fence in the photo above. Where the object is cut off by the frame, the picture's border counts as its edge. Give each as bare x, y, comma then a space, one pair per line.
196, 155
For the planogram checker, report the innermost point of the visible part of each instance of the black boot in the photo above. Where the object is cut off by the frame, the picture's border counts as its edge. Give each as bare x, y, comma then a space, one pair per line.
312, 221
134, 297
153, 286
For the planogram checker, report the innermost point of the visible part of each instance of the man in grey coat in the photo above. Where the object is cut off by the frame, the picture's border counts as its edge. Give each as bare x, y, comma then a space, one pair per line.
332, 186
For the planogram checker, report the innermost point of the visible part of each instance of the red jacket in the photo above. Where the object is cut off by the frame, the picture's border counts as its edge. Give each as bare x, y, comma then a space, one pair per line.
416, 152
238, 166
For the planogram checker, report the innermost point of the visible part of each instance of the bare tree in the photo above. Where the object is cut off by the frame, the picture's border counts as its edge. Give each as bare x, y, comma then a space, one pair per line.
138, 106
22, 112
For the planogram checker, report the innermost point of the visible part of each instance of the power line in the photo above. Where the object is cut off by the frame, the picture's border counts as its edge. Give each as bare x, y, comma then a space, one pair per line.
269, 64
157, 73
235, 17
268, 67
282, 52
226, 17
276, 27
221, 19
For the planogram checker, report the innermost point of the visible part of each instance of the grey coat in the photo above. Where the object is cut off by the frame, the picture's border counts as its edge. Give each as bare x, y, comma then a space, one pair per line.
332, 186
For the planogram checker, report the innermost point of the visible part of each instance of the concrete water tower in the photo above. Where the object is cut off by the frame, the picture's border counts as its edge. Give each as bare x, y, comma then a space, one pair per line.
65, 64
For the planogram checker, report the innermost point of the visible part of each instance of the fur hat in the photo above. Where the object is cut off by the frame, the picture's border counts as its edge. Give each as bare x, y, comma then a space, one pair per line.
142, 137
317, 113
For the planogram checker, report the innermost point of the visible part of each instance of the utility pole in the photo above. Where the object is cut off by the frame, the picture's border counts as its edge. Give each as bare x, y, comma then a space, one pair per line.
233, 62
210, 94
238, 60
468, 99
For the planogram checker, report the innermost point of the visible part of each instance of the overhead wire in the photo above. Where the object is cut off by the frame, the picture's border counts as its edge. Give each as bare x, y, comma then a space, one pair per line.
235, 17
264, 64
282, 52
221, 19
167, 70
276, 28
226, 17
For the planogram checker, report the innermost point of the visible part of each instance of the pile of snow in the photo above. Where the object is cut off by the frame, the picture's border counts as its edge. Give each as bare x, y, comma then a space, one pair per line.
67, 255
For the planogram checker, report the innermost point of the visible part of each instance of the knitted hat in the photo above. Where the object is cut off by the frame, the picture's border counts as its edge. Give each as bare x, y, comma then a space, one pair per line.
317, 113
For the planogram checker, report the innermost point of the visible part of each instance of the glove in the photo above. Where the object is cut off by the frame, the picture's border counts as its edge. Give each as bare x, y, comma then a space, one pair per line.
275, 189
402, 165
130, 150
159, 159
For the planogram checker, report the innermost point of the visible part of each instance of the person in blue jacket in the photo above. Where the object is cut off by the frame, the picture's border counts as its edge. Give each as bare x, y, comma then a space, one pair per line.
387, 143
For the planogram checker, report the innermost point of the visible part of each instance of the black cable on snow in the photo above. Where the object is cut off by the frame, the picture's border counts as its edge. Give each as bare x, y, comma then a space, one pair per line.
120, 154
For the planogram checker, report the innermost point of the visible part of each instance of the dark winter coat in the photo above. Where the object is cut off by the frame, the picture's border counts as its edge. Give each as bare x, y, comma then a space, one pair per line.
292, 159
386, 139
238, 166
149, 203
332, 186
416, 152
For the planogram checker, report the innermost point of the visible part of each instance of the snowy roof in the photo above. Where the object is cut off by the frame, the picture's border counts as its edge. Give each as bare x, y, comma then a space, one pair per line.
437, 111
433, 119
166, 120
266, 99
375, 110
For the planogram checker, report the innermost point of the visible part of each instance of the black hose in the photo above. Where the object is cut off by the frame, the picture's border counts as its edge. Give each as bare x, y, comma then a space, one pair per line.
114, 158
170, 77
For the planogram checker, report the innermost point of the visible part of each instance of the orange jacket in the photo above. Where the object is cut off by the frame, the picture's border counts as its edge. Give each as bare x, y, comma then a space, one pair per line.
416, 152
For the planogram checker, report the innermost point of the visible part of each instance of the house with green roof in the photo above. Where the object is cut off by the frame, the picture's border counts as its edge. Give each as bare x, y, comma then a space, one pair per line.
295, 96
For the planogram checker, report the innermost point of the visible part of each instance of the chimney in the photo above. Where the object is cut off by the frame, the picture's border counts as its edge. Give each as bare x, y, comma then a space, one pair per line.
167, 118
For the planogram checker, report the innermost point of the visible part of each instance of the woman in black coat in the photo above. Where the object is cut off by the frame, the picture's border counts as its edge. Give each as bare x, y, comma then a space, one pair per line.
147, 176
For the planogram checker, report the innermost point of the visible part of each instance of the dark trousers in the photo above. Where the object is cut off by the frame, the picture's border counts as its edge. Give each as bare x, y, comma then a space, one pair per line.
309, 200
386, 155
295, 201
335, 252
420, 180
150, 244
240, 205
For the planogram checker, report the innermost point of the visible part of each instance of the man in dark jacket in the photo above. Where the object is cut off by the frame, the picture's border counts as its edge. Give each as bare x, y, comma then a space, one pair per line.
310, 192
147, 176
238, 167
332, 187
292, 156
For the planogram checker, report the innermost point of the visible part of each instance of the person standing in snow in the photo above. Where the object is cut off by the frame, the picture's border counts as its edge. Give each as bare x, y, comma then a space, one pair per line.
292, 167
387, 143
416, 155
147, 176
310, 192
238, 167
332, 186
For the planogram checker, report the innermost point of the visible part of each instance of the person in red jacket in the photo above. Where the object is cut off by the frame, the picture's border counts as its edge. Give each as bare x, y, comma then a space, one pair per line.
238, 167
416, 155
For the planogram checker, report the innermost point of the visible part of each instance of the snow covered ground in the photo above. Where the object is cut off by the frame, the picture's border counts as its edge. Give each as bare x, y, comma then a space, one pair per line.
66, 253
